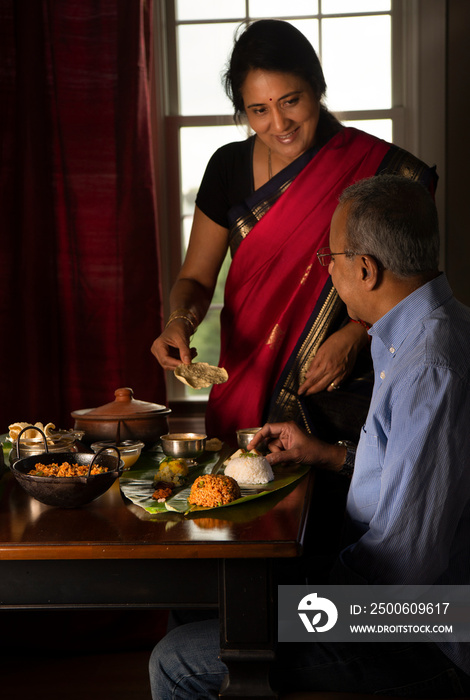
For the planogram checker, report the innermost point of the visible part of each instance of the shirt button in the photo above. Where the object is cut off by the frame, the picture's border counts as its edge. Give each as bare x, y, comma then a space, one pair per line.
392, 349
382, 375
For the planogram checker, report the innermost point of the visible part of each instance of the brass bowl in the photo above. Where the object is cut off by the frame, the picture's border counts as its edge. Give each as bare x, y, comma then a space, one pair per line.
183, 444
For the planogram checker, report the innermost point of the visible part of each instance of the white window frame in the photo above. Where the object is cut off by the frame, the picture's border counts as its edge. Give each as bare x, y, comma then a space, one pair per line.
418, 114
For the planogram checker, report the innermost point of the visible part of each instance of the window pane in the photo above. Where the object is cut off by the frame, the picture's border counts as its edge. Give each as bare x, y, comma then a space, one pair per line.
207, 336
209, 9
280, 8
364, 80
220, 286
337, 7
203, 51
382, 128
187, 223
197, 144
207, 342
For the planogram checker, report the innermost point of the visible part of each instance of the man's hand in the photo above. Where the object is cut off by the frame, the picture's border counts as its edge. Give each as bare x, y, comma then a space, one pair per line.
288, 443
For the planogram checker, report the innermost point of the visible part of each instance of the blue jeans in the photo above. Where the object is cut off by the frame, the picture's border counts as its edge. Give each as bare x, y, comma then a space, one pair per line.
186, 664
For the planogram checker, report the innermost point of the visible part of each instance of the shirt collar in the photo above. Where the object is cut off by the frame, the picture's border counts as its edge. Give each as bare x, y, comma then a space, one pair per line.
393, 328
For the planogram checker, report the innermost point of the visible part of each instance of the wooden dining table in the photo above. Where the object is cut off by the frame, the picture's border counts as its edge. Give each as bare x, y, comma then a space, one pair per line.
112, 554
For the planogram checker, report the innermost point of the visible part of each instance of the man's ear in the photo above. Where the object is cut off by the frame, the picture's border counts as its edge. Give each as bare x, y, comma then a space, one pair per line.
370, 271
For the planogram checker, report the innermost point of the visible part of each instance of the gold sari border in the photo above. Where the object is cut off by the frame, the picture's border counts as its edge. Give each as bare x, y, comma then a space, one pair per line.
244, 224
286, 405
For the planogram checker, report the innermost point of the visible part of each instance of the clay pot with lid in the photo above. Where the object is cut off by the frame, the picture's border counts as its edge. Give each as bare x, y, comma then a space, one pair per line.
125, 418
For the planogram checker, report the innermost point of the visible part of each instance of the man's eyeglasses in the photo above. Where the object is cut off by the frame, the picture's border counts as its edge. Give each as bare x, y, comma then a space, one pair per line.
325, 255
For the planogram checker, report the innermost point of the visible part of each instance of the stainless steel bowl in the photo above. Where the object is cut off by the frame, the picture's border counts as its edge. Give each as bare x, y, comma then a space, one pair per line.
183, 444
59, 441
128, 449
246, 435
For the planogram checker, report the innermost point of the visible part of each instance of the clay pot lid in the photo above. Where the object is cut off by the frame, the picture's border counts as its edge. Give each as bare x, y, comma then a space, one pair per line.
124, 406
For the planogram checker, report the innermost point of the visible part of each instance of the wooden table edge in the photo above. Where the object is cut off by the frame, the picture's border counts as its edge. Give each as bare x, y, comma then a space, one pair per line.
236, 550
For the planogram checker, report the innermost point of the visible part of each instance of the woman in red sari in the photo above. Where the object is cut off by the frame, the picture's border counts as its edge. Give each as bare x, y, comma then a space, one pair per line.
286, 341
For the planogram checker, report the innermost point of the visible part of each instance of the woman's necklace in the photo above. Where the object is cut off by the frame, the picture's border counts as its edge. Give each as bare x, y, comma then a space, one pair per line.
270, 167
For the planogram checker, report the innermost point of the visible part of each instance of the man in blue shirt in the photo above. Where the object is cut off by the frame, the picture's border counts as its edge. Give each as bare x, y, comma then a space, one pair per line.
408, 508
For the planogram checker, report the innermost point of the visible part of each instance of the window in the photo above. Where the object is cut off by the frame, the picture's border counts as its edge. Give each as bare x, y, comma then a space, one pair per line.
364, 47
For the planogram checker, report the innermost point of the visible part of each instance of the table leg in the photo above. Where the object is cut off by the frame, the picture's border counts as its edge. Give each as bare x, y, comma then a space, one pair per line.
247, 627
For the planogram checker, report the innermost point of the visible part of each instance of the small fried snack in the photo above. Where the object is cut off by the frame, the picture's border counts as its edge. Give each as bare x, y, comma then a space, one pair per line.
162, 491
214, 445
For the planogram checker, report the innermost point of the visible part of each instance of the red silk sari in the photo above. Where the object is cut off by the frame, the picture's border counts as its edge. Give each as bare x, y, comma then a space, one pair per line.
275, 281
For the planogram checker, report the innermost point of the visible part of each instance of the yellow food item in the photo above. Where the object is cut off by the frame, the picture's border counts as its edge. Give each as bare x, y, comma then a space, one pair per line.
172, 471
212, 490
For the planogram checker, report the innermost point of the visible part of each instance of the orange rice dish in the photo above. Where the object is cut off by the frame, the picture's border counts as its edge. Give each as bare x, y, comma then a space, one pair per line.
65, 469
211, 491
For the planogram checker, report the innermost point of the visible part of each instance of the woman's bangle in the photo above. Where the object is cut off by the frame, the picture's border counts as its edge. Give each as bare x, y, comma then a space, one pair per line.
184, 312
185, 315
183, 318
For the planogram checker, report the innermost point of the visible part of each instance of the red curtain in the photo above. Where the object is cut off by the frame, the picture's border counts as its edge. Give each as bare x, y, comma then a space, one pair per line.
80, 297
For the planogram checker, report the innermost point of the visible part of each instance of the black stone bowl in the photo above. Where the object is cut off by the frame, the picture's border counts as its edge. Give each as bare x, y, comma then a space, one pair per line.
68, 491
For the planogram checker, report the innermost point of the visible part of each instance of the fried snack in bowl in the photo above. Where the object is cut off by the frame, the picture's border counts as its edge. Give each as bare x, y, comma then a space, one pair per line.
28, 440
15, 429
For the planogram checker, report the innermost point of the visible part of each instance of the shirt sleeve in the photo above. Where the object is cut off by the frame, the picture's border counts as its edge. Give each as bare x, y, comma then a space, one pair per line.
422, 510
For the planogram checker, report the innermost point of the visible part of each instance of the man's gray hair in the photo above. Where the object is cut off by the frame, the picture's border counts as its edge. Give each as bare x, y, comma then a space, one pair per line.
394, 219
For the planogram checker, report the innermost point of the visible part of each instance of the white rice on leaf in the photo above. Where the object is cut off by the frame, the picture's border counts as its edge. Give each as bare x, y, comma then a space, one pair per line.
250, 468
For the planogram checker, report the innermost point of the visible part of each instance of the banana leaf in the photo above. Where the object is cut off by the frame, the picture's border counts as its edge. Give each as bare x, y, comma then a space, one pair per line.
137, 484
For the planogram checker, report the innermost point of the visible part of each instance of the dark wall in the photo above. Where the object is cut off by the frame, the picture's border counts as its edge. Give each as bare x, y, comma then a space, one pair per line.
458, 149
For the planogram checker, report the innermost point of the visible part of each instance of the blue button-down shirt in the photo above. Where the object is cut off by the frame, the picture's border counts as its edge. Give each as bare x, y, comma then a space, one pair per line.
409, 500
